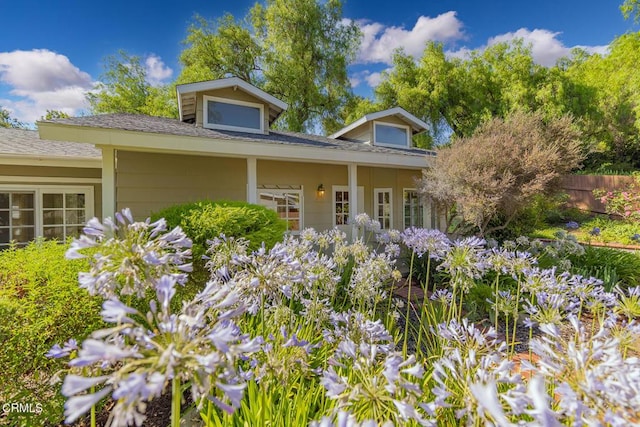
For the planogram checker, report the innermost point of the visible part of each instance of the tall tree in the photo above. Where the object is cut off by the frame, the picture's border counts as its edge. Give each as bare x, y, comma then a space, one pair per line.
297, 50
54, 114
6, 121
124, 88
631, 8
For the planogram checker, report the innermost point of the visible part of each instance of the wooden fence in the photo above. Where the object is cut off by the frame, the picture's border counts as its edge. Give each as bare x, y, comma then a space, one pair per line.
580, 189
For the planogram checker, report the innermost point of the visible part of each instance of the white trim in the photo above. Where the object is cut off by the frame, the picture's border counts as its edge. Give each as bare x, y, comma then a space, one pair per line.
282, 191
252, 180
352, 177
394, 125
108, 182
377, 191
424, 208
334, 188
206, 124
230, 82
50, 161
40, 190
415, 122
49, 179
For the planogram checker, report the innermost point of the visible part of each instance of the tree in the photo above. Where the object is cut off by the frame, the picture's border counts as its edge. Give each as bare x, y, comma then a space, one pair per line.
296, 50
500, 169
457, 95
631, 8
6, 121
124, 89
54, 114
615, 83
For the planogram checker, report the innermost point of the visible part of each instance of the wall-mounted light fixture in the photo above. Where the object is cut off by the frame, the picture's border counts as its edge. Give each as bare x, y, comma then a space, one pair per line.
320, 191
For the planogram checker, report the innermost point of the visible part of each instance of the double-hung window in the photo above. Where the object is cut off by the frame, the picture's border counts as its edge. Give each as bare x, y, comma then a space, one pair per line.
287, 203
52, 212
228, 114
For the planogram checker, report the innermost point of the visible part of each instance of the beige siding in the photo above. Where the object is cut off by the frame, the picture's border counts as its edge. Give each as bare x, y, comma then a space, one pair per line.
396, 179
148, 182
361, 133
50, 173
317, 211
229, 93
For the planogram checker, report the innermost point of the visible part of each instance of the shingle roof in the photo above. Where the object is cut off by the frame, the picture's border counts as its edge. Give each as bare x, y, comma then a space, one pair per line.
161, 125
21, 142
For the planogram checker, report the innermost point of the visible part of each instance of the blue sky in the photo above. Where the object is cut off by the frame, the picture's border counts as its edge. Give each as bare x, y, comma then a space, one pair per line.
51, 51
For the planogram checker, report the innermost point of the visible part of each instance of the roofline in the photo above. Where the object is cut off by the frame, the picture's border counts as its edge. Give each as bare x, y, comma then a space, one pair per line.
50, 161
379, 114
147, 141
229, 82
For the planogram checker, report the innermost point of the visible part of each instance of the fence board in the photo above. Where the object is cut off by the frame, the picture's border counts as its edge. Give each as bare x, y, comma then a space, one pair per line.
580, 189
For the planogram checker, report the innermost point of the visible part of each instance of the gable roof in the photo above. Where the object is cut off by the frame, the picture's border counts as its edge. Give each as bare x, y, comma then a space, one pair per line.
27, 143
187, 96
230, 142
415, 123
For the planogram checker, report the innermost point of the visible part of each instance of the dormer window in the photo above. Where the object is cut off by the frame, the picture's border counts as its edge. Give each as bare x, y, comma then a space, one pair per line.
231, 114
391, 135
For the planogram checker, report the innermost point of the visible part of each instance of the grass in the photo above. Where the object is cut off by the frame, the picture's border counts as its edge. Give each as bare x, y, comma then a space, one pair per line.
611, 231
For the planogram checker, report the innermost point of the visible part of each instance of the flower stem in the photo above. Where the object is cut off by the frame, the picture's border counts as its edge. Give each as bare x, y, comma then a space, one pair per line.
406, 320
175, 401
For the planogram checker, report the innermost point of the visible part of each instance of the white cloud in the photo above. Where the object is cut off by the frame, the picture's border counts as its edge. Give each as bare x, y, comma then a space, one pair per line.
372, 79
379, 41
40, 79
546, 47
156, 70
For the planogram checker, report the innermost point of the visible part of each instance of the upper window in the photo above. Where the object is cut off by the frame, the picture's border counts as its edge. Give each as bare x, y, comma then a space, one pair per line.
228, 114
390, 134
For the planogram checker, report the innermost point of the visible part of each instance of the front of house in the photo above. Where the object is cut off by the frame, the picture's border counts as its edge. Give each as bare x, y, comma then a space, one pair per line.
223, 147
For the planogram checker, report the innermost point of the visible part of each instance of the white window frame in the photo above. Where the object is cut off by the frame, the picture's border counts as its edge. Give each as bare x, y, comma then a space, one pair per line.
283, 191
405, 127
377, 191
40, 190
424, 209
342, 189
205, 108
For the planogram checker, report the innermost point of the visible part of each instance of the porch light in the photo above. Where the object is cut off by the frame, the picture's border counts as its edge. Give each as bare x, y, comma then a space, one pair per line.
320, 191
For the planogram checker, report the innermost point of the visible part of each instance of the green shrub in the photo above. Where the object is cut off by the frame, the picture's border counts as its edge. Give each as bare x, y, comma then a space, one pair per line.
206, 220
41, 304
610, 265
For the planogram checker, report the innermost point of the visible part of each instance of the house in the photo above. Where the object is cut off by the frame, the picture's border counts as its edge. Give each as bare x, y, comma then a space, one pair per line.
223, 147
47, 188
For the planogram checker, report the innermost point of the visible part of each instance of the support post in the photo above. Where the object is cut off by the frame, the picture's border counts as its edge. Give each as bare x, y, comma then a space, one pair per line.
108, 182
353, 198
252, 180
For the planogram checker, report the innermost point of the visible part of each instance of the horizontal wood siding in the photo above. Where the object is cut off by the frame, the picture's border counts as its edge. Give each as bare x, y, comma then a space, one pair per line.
148, 182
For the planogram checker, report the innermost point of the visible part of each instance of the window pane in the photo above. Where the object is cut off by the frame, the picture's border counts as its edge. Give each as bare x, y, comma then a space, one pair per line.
4, 218
22, 201
4, 236
52, 201
222, 113
74, 200
53, 232
294, 225
22, 234
391, 135
4, 200
50, 217
75, 216
74, 231
22, 218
